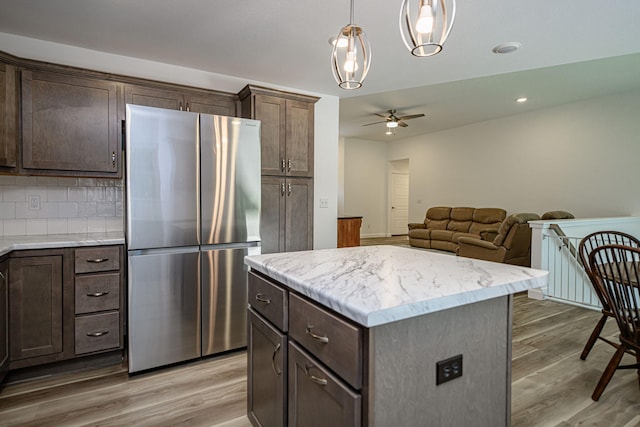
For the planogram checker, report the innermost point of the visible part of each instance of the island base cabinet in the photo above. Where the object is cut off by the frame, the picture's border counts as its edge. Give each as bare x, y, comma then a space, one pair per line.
267, 373
316, 397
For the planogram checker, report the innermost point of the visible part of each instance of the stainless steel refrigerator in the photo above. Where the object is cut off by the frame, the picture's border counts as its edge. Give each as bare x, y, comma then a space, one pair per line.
193, 213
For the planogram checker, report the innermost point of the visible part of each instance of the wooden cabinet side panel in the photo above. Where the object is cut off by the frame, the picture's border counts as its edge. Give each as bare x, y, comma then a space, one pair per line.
299, 216
299, 137
4, 319
8, 116
36, 306
69, 123
272, 217
271, 112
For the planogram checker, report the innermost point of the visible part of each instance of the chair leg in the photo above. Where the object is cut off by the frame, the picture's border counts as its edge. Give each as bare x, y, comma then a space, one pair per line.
594, 336
608, 372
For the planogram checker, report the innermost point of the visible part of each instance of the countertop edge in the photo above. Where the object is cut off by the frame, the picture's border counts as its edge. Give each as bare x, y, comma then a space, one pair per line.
9, 244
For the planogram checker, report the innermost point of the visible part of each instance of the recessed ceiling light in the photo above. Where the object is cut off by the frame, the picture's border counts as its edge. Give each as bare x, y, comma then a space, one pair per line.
521, 99
506, 47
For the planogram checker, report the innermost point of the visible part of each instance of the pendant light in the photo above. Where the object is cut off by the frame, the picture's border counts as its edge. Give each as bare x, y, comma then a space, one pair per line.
426, 32
350, 56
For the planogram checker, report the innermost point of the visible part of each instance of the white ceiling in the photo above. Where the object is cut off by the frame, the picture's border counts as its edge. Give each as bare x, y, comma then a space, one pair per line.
286, 43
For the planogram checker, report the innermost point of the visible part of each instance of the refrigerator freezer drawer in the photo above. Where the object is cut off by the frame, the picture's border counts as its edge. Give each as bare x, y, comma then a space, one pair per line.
224, 299
164, 308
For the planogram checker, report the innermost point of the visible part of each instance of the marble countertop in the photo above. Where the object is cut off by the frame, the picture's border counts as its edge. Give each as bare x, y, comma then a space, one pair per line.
375, 285
15, 243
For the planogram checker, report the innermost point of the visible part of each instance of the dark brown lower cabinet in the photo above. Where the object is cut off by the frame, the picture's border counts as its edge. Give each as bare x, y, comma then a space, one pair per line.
317, 398
4, 319
267, 373
36, 314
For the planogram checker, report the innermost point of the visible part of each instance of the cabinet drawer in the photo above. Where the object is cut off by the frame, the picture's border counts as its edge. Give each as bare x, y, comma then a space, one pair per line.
97, 332
97, 293
315, 394
270, 300
334, 341
104, 258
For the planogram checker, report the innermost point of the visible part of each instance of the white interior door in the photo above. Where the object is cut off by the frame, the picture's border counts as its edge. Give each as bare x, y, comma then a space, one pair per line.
399, 203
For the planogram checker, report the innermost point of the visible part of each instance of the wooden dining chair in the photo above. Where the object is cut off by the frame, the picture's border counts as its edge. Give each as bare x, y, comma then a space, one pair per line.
587, 245
617, 272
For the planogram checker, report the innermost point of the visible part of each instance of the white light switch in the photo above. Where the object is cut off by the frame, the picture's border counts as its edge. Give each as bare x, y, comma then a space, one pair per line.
324, 203
34, 203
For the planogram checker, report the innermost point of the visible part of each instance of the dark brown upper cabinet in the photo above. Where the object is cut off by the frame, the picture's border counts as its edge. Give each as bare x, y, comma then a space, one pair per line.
70, 125
8, 116
207, 102
287, 129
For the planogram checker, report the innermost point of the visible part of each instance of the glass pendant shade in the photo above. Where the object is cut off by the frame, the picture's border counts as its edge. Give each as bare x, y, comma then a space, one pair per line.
426, 24
350, 56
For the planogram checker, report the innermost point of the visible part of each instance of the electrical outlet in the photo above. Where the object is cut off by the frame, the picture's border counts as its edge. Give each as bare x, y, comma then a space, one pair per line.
324, 203
449, 369
34, 203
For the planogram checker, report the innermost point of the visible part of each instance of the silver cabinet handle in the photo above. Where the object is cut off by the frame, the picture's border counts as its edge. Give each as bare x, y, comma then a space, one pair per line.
98, 260
261, 298
273, 361
180, 106
283, 164
188, 107
289, 165
316, 337
97, 334
289, 190
282, 188
113, 159
97, 294
313, 378
2, 276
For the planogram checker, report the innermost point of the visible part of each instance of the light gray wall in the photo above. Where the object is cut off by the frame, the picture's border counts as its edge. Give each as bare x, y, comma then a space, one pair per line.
325, 118
580, 157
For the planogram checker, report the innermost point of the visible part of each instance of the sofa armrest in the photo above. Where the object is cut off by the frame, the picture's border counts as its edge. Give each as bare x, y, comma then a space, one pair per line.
489, 235
477, 242
414, 225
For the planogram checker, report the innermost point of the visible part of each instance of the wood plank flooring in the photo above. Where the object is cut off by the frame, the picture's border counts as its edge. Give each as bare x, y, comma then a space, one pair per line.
551, 385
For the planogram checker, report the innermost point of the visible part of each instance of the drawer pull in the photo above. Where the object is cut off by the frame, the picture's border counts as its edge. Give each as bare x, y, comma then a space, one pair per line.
261, 298
317, 380
316, 336
97, 334
97, 294
98, 260
273, 361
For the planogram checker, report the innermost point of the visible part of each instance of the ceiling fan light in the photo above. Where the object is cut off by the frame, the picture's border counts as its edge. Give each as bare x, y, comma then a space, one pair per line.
426, 34
389, 132
392, 124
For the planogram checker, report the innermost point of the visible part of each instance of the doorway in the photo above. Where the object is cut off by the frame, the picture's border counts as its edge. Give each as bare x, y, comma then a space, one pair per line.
399, 196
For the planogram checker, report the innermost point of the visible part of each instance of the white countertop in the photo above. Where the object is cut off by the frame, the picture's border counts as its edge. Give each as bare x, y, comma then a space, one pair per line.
374, 285
15, 243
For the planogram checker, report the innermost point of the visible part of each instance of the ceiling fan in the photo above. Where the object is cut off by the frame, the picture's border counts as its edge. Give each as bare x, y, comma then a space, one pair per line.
392, 120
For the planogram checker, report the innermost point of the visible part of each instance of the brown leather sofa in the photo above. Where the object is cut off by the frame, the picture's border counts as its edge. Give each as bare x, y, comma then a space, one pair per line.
512, 245
443, 226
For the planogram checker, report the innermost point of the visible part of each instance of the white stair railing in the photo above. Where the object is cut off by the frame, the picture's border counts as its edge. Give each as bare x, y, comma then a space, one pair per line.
554, 247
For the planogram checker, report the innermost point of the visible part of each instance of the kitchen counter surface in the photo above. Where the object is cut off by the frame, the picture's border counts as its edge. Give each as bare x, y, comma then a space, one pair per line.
376, 285
15, 243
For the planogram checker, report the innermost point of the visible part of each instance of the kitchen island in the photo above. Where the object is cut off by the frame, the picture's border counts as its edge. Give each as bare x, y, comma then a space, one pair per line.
381, 336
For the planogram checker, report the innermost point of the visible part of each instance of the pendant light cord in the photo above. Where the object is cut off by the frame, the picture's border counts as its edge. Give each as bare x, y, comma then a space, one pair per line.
351, 15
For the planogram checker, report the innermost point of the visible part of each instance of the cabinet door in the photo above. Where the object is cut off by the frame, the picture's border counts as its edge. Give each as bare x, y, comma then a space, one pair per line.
4, 319
35, 297
299, 214
317, 398
272, 216
150, 97
69, 124
299, 138
8, 116
271, 111
212, 104
267, 373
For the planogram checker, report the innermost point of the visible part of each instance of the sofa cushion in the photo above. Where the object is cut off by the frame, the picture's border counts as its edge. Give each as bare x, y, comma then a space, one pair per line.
489, 215
460, 226
446, 235
438, 213
437, 224
420, 233
456, 236
461, 214
521, 218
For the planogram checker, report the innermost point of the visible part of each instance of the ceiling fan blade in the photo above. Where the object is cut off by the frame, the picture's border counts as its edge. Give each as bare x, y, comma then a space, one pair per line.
412, 116
403, 124
375, 123
384, 116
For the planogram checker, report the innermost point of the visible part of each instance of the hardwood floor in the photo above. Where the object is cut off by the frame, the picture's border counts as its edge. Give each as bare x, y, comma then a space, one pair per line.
551, 385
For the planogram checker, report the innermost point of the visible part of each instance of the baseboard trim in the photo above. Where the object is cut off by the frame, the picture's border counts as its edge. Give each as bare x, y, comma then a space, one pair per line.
373, 235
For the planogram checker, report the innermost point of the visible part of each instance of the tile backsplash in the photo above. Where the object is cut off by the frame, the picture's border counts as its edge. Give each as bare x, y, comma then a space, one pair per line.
47, 205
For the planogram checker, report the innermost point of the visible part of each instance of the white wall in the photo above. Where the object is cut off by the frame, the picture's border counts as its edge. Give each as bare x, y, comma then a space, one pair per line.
582, 157
365, 184
326, 110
